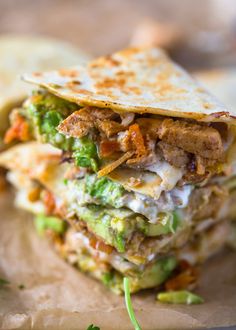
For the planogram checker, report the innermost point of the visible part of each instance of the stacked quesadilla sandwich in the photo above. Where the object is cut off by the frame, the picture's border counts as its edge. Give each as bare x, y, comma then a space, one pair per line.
128, 165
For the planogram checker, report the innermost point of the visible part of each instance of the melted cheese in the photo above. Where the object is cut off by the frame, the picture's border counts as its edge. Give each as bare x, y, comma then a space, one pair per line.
159, 177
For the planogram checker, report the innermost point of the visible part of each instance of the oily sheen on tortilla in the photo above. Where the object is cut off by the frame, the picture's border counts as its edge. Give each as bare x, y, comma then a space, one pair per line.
142, 80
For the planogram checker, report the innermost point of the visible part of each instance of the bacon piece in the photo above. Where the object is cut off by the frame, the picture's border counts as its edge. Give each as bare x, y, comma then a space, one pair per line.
110, 167
137, 139
108, 147
18, 131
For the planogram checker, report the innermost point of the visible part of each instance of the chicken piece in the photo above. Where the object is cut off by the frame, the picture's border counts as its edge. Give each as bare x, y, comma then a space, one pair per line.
150, 126
81, 122
194, 138
100, 113
78, 124
124, 140
109, 127
173, 155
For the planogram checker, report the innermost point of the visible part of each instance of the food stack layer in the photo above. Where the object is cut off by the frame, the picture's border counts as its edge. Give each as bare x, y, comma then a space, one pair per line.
128, 165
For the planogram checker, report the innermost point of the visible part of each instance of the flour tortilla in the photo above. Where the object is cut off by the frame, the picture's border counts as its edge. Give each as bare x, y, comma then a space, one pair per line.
141, 80
43, 162
220, 82
19, 54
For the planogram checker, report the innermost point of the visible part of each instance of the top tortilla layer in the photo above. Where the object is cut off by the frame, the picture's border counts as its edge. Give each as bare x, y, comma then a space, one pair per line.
141, 80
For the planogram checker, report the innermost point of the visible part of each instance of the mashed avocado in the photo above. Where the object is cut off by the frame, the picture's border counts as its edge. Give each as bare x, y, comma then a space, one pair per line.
103, 191
44, 112
116, 226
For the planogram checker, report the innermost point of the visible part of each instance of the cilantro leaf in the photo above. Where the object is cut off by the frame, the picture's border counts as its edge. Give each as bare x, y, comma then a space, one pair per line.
129, 305
93, 327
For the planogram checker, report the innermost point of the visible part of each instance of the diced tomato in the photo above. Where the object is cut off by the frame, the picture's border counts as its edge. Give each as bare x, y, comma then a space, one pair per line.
99, 245
18, 131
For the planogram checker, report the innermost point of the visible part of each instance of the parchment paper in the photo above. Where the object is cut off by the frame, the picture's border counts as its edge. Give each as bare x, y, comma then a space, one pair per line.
57, 296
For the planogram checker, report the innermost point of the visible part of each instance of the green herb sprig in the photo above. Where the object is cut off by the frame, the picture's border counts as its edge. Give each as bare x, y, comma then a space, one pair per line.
129, 304
93, 327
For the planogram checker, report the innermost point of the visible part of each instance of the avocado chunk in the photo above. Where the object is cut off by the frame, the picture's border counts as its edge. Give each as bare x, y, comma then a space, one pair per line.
116, 226
43, 223
153, 276
168, 223
179, 297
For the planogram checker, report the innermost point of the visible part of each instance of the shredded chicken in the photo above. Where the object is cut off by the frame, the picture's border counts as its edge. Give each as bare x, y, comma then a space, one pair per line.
81, 122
